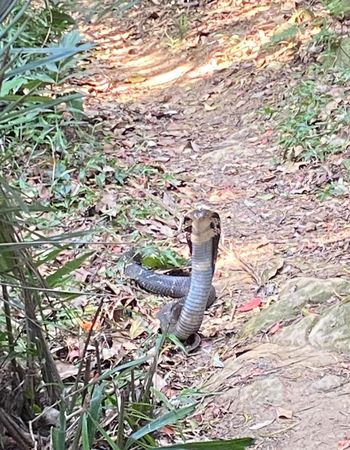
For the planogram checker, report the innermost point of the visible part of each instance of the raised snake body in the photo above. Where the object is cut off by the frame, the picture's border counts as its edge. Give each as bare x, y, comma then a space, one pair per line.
184, 316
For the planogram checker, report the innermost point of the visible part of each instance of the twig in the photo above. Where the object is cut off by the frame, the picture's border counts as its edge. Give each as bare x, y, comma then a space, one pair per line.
22, 439
88, 339
10, 339
249, 269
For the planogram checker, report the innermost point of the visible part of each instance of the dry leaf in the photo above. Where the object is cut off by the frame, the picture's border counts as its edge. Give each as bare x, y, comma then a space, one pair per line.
137, 327
260, 425
158, 382
66, 370
283, 413
255, 302
209, 107
343, 444
115, 351
275, 328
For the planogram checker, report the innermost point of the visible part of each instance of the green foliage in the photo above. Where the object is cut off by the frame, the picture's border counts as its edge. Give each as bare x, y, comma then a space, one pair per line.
309, 126
229, 444
338, 8
179, 30
102, 10
286, 33
337, 56
333, 189
126, 389
158, 258
31, 79
181, 24
39, 53
313, 123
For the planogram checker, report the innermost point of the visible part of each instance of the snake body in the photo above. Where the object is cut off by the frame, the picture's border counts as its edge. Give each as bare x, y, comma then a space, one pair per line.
164, 285
195, 294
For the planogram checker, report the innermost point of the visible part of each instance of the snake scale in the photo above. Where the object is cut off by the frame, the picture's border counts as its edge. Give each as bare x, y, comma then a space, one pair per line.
183, 317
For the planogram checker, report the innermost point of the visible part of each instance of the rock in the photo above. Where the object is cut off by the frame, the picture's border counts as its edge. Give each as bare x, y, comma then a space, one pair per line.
332, 331
266, 391
296, 294
296, 334
327, 383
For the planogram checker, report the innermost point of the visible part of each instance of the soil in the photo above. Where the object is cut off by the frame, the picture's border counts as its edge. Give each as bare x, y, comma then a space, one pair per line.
195, 107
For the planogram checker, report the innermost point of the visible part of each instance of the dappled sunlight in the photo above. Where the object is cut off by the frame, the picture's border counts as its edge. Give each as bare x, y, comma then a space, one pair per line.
245, 260
240, 34
167, 77
146, 61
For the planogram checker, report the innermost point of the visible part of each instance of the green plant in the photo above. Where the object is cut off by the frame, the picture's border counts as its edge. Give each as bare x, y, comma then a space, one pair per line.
158, 258
139, 411
338, 8
286, 33
31, 80
334, 189
182, 24
311, 122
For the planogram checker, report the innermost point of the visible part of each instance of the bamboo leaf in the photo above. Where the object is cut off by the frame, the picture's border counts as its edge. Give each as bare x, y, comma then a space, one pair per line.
85, 434
94, 412
230, 444
109, 440
57, 277
160, 422
64, 53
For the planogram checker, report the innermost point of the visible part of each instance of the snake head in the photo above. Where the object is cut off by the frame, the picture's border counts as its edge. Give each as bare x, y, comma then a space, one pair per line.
203, 224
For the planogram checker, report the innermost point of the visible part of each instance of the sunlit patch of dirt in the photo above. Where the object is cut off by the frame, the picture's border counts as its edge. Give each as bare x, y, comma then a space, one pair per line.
220, 36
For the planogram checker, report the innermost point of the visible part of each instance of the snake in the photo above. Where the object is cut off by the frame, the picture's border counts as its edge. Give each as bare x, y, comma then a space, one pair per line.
195, 293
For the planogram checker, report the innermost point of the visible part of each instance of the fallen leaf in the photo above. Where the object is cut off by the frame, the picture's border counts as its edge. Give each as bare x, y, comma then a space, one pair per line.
136, 79
269, 272
222, 195
208, 107
217, 361
73, 354
276, 327
66, 370
87, 325
255, 302
113, 352
260, 425
169, 431
194, 146
343, 444
283, 413
266, 197
158, 382
82, 275
137, 327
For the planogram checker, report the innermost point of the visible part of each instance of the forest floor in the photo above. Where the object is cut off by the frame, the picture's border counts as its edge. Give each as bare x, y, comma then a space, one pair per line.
188, 89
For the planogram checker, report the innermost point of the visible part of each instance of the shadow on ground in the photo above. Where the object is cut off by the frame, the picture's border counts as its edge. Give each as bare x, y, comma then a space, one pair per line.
194, 107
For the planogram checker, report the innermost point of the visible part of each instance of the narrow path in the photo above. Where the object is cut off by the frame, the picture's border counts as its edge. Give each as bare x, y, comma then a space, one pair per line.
196, 109
194, 106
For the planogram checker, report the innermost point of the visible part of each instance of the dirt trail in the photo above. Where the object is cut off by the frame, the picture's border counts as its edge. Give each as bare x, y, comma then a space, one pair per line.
194, 107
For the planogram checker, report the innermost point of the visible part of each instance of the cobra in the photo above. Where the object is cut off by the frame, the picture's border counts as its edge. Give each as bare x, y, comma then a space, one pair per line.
195, 293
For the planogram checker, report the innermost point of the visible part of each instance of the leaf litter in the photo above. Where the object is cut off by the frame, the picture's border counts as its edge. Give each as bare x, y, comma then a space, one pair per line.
191, 108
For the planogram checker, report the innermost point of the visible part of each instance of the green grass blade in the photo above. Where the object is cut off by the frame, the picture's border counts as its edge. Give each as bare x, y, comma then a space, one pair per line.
59, 432
37, 108
85, 434
6, 10
230, 444
57, 277
94, 412
109, 440
59, 56
6, 6
160, 422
